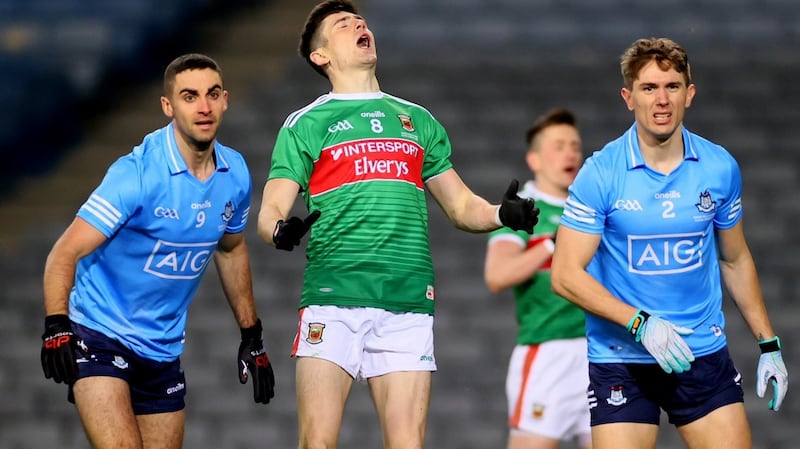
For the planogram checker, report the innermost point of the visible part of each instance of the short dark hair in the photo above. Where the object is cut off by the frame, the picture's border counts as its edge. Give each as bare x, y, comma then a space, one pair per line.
310, 39
556, 116
666, 52
189, 61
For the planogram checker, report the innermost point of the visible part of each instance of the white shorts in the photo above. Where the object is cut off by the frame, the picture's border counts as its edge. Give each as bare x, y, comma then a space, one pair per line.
365, 341
546, 389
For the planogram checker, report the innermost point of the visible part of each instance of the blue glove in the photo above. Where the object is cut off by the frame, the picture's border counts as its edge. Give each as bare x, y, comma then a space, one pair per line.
772, 370
663, 341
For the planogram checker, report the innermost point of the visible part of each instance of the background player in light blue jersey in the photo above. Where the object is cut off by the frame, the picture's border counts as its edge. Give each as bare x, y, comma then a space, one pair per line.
119, 281
658, 211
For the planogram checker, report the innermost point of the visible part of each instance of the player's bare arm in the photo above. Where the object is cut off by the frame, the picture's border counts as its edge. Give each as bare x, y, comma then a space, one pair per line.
78, 240
466, 210
276, 204
574, 250
741, 280
509, 264
233, 267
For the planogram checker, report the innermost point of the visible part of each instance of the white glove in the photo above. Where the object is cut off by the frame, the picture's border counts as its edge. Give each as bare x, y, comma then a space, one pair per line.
663, 341
772, 370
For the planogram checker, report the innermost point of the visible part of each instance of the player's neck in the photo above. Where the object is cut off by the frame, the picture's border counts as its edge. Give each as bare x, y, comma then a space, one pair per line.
354, 82
663, 156
201, 163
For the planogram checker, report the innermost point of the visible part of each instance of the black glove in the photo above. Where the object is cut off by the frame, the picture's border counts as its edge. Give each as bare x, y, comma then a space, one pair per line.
287, 233
59, 349
253, 359
518, 213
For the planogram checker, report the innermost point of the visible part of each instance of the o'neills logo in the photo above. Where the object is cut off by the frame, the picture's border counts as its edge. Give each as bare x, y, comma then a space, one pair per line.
366, 160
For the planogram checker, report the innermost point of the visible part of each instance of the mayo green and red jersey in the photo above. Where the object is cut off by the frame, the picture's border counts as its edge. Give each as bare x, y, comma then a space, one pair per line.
362, 160
541, 314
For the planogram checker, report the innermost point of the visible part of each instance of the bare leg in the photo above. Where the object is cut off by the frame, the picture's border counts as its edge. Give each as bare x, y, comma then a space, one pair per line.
402, 399
322, 391
624, 436
724, 428
521, 440
162, 430
104, 406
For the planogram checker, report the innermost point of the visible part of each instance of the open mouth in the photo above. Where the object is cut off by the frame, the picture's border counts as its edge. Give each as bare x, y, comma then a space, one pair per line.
363, 41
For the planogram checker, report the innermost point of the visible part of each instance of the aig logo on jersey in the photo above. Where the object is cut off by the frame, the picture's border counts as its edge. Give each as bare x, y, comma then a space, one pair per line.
341, 125
179, 260
665, 253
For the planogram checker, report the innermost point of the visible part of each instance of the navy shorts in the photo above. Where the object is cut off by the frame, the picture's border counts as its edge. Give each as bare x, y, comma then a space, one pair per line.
156, 387
635, 392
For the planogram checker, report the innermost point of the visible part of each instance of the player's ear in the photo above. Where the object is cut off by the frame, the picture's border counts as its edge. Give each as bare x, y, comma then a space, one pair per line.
166, 107
626, 96
691, 90
533, 159
319, 57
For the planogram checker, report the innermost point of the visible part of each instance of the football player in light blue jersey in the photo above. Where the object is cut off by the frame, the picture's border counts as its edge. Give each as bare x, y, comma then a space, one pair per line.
657, 212
119, 281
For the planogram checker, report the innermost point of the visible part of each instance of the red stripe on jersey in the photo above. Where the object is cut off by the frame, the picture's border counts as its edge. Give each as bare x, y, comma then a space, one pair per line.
366, 160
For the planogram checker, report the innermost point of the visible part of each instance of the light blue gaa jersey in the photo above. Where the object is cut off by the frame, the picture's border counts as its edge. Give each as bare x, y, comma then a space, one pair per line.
658, 250
163, 225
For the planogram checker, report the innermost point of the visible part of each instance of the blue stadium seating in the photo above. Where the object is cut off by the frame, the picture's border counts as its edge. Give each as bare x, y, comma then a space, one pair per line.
55, 55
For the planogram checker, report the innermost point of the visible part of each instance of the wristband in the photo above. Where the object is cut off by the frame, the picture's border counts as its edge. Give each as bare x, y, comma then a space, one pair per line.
497, 217
771, 345
253, 332
636, 322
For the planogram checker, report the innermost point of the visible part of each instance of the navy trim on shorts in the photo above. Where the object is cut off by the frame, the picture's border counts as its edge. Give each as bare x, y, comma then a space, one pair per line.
156, 387
637, 392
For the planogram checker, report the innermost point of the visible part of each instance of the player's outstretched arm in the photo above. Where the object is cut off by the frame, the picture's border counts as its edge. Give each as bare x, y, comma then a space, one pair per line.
472, 213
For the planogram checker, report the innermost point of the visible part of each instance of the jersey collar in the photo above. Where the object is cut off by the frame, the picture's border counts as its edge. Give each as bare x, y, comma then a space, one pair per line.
356, 96
529, 190
634, 153
175, 160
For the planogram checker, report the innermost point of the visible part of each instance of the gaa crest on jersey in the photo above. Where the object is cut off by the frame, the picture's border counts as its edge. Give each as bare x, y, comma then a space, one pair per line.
406, 123
429, 292
315, 333
617, 398
228, 214
706, 204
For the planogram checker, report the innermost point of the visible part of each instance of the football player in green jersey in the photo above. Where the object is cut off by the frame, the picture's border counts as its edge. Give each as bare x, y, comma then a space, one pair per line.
548, 372
362, 159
